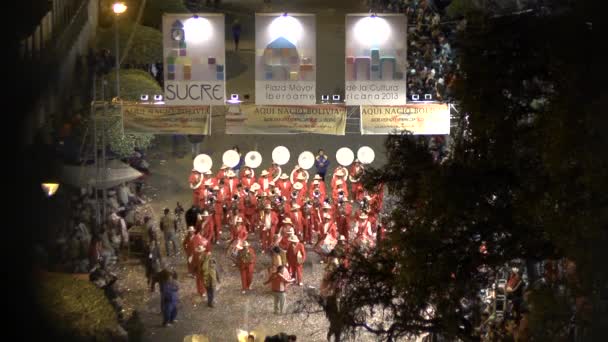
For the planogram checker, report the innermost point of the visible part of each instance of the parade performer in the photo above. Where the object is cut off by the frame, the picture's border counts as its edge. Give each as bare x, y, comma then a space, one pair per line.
296, 172
206, 193
247, 177
208, 228
189, 249
269, 224
231, 183
316, 191
344, 210
264, 180
246, 261
322, 186
195, 180
308, 221
296, 256
298, 220
321, 164
365, 236
339, 191
356, 172
327, 237
284, 185
341, 173
342, 251
298, 194
221, 173
302, 179
274, 172
199, 252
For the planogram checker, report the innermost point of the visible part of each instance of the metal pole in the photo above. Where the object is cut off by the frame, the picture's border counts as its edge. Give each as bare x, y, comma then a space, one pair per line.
117, 56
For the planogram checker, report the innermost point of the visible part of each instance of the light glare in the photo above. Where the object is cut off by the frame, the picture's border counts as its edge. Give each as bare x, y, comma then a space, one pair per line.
372, 31
119, 7
287, 27
197, 30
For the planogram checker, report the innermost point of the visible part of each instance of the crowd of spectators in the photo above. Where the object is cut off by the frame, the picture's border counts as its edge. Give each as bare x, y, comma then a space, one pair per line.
432, 68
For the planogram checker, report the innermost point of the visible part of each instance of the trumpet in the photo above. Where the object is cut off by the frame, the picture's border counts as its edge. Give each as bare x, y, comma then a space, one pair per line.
294, 194
316, 193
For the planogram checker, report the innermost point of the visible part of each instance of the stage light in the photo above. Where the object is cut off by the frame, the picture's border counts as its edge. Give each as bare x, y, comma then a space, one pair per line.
415, 97
428, 97
287, 27
50, 188
324, 98
144, 97
335, 98
234, 99
158, 97
372, 30
197, 29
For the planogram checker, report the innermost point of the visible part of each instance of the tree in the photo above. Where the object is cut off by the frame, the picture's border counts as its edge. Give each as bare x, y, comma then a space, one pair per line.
146, 47
525, 177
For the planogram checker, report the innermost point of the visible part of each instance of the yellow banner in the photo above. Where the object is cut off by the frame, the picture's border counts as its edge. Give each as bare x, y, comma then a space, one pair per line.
162, 119
251, 119
422, 119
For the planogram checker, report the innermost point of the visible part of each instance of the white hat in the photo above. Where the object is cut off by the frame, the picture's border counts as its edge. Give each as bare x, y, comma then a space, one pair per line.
255, 187
326, 215
326, 205
199, 249
239, 219
363, 216
301, 177
357, 160
284, 176
205, 213
264, 194
368, 197
316, 182
208, 172
245, 243
317, 177
298, 186
208, 182
191, 228
287, 220
342, 238
293, 238
224, 166
295, 206
268, 206
290, 231
264, 172
217, 187
271, 183
340, 173
230, 173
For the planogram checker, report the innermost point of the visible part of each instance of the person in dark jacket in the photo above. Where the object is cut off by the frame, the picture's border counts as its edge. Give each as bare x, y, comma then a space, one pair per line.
321, 164
169, 300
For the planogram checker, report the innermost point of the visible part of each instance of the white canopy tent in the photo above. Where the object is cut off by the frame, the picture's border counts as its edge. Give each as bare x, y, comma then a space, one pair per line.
115, 173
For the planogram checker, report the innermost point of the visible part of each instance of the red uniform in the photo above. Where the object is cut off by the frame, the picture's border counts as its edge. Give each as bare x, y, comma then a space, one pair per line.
270, 220
343, 221
208, 228
295, 268
196, 184
246, 261
317, 189
284, 186
307, 223
298, 222
328, 227
264, 182
356, 170
247, 182
335, 177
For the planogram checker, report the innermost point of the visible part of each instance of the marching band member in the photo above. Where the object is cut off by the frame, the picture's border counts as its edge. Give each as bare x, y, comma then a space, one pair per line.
328, 227
342, 250
364, 232
283, 184
339, 191
251, 206
195, 180
339, 173
208, 175
297, 219
218, 208
246, 260
316, 191
356, 172
206, 193
296, 256
264, 180
198, 256
321, 183
248, 177
189, 249
296, 172
269, 222
298, 194
274, 171
344, 209
231, 183
208, 228
308, 224
221, 173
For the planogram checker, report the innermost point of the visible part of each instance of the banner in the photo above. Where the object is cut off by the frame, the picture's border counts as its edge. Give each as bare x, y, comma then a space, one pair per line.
285, 59
194, 59
321, 119
376, 59
420, 119
160, 119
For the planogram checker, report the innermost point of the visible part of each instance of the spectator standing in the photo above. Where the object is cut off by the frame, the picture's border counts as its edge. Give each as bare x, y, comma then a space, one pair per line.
195, 141
321, 164
279, 284
169, 299
210, 275
236, 33
168, 225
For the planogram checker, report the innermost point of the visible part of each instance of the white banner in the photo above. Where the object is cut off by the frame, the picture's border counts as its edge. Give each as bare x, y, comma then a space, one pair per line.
376, 59
285, 69
194, 59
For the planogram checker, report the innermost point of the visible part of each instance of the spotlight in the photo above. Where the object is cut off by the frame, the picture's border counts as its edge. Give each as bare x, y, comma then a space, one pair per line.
144, 97
415, 97
335, 98
234, 96
158, 97
234, 99
428, 97
324, 98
